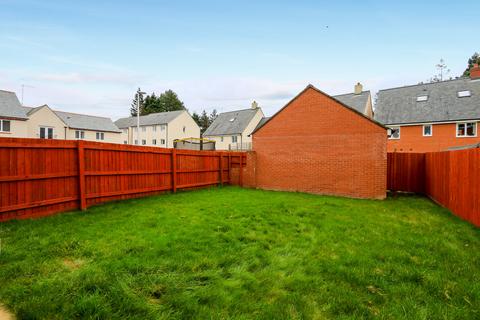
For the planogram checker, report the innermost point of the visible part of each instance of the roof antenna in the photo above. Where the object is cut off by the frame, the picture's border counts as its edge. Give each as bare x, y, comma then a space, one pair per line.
23, 89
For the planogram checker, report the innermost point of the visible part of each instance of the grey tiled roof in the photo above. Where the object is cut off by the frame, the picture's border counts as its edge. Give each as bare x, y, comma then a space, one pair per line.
224, 124
82, 121
148, 120
355, 101
87, 122
399, 105
10, 106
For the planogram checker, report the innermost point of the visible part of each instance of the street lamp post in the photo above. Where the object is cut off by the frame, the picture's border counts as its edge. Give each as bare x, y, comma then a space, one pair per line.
139, 95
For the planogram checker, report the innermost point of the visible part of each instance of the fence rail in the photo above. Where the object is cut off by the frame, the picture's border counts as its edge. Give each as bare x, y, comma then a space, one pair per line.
450, 178
42, 177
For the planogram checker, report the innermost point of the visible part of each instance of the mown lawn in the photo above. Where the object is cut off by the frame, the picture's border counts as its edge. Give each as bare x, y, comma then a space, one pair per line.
237, 253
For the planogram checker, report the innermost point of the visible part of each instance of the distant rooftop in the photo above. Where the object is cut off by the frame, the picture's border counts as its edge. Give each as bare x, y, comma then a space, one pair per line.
451, 100
148, 120
232, 122
10, 107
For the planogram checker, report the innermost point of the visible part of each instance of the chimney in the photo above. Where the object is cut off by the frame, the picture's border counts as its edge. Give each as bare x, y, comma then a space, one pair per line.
475, 72
358, 88
254, 104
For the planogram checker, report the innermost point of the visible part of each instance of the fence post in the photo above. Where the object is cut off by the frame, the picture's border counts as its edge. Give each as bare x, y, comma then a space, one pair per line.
81, 175
221, 169
241, 170
229, 168
174, 170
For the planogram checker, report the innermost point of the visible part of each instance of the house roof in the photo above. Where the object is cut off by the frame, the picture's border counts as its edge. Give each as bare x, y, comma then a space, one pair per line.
231, 122
81, 121
10, 107
261, 123
400, 105
355, 101
150, 119
310, 86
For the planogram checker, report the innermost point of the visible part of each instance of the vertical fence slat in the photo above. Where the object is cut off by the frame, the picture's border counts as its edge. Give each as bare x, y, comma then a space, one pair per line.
174, 170
81, 175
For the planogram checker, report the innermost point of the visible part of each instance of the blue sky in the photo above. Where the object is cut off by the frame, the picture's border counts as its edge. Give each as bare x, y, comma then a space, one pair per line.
90, 56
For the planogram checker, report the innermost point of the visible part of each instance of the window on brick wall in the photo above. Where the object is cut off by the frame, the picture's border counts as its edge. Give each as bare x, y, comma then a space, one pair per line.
466, 129
394, 133
427, 130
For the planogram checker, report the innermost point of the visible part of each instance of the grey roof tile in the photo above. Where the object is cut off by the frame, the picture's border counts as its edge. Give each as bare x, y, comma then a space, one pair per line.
150, 119
231, 122
87, 122
355, 101
400, 105
10, 106
81, 121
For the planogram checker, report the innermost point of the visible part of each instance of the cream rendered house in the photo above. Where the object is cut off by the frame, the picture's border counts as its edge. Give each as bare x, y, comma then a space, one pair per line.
18, 121
231, 130
158, 129
46, 123
13, 118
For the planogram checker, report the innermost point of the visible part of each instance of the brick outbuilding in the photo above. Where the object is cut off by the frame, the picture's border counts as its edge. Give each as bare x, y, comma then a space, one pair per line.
317, 144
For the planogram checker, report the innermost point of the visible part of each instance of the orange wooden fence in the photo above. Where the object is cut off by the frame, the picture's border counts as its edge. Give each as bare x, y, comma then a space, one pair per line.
42, 177
450, 178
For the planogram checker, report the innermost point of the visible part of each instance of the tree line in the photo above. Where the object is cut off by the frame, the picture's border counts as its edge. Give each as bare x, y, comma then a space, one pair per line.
169, 101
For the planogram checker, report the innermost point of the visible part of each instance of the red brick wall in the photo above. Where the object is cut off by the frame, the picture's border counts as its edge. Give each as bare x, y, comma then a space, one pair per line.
317, 145
443, 137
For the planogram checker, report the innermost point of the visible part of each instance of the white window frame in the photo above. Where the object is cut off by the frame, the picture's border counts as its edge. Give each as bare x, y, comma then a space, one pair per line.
184, 128
144, 142
465, 123
464, 94
154, 142
46, 132
1, 125
234, 139
422, 98
162, 141
79, 134
100, 136
399, 133
431, 130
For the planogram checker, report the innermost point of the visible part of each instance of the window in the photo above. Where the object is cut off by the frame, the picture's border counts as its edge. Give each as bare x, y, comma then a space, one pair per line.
422, 98
234, 139
427, 130
162, 128
125, 142
136, 141
463, 94
221, 139
144, 129
467, 129
144, 142
394, 133
154, 141
100, 135
46, 133
184, 128
154, 128
79, 134
162, 141
4, 125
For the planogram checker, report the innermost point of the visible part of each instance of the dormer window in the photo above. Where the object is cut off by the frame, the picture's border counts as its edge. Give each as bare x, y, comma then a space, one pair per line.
422, 98
231, 120
463, 94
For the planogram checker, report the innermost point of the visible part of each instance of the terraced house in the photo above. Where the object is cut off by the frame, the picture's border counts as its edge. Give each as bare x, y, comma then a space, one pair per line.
433, 116
158, 129
17, 121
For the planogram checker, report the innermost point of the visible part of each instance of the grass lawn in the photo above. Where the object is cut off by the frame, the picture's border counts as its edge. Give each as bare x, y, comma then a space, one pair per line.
237, 253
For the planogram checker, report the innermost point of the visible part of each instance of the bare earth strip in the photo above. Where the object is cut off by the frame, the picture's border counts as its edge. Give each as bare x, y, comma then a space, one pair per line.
5, 314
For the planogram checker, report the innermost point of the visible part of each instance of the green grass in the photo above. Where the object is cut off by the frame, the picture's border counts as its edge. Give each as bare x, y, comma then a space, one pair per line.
242, 254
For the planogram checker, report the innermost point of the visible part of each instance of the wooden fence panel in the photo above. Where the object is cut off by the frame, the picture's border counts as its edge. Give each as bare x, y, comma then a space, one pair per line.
406, 172
450, 178
42, 177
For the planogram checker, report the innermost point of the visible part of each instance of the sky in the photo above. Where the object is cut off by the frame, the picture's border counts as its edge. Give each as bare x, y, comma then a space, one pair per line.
91, 56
